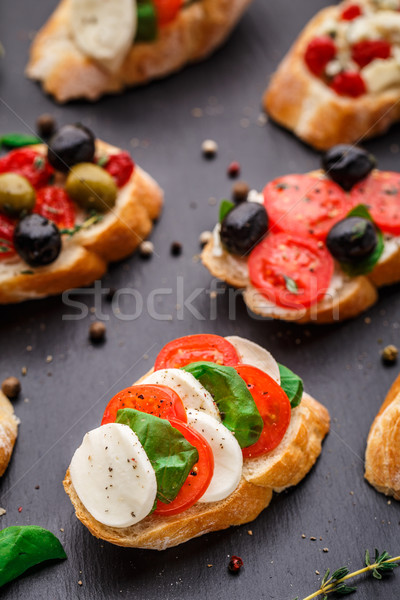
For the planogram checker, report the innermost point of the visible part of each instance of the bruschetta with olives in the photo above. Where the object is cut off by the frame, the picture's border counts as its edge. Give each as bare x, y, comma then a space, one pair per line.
382, 457
198, 444
340, 82
313, 247
67, 210
8, 431
92, 47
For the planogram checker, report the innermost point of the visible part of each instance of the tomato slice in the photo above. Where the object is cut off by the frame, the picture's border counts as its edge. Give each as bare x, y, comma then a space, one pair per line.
305, 205
167, 10
158, 400
120, 166
353, 11
198, 479
349, 83
273, 405
380, 192
366, 51
319, 52
7, 227
28, 163
193, 348
54, 203
290, 271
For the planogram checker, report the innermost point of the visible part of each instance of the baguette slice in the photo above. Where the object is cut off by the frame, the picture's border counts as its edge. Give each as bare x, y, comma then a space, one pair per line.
8, 431
382, 457
305, 105
67, 73
85, 256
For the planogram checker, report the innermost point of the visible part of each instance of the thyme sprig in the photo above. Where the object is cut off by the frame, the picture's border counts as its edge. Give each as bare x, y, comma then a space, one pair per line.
336, 583
93, 219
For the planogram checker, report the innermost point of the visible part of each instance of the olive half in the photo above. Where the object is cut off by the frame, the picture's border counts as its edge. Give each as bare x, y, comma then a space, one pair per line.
37, 240
70, 145
347, 165
243, 227
17, 196
91, 187
352, 240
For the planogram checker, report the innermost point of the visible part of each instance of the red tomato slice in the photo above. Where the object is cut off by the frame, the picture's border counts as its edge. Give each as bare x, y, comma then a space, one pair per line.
7, 227
273, 405
120, 166
158, 400
304, 205
349, 83
351, 12
290, 271
193, 348
54, 203
198, 479
167, 10
380, 192
319, 52
366, 51
29, 164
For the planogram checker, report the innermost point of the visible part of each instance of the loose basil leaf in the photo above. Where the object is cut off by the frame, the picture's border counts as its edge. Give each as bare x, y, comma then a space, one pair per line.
292, 385
25, 546
224, 208
170, 454
238, 410
368, 264
18, 140
146, 22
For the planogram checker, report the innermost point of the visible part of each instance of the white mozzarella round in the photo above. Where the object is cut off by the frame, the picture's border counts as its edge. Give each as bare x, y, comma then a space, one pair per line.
228, 457
113, 476
256, 356
188, 388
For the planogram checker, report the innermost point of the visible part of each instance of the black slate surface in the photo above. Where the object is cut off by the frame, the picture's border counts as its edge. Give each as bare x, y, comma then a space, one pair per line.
64, 398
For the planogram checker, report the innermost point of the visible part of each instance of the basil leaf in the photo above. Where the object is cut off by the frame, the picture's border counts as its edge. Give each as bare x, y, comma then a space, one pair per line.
146, 22
224, 208
292, 385
291, 285
238, 410
18, 140
368, 264
25, 546
361, 210
171, 455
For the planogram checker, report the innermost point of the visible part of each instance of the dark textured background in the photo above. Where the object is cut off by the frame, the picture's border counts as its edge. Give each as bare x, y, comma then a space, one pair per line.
340, 364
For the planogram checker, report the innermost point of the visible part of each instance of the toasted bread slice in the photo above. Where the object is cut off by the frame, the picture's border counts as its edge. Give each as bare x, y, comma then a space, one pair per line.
67, 73
85, 255
8, 431
382, 457
387, 270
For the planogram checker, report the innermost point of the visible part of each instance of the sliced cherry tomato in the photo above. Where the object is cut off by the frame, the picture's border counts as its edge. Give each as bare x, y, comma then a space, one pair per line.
193, 348
380, 192
290, 271
53, 203
319, 52
120, 166
29, 164
7, 227
274, 408
366, 51
158, 400
198, 479
349, 83
167, 10
305, 205
351, 12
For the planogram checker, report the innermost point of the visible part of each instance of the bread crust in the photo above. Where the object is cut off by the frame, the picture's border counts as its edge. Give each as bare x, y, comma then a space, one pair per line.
67, 73
382, 457
85, 256
318, 115
8, 431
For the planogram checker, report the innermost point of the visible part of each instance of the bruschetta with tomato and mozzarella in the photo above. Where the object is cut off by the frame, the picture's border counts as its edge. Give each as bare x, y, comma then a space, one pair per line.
92, 47
8, 431
340, 82
313, 247
67, 210
198, 444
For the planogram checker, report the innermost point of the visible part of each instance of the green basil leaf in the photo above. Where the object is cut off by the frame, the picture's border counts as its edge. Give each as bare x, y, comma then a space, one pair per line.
361, 210
291, 285
238, 410
25, 546
224, 208
147, 29
18, 140
368, 264
292, 385
170, 454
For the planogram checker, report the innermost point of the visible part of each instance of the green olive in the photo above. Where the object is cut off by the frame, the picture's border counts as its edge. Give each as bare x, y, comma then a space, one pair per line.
91, 187
17, 196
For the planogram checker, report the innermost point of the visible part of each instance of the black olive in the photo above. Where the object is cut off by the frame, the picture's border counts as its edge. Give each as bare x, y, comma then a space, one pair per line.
37, 240
347, 165
72, 144
243, 227
352, 240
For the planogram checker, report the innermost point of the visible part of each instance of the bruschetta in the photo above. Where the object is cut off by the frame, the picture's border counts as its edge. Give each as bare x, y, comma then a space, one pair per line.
198, 444
8, 431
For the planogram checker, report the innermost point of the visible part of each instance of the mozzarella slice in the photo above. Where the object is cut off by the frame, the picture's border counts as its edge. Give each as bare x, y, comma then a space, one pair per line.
104, 29
256, 356
228, 457
113, 477
381, 75
188, 388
